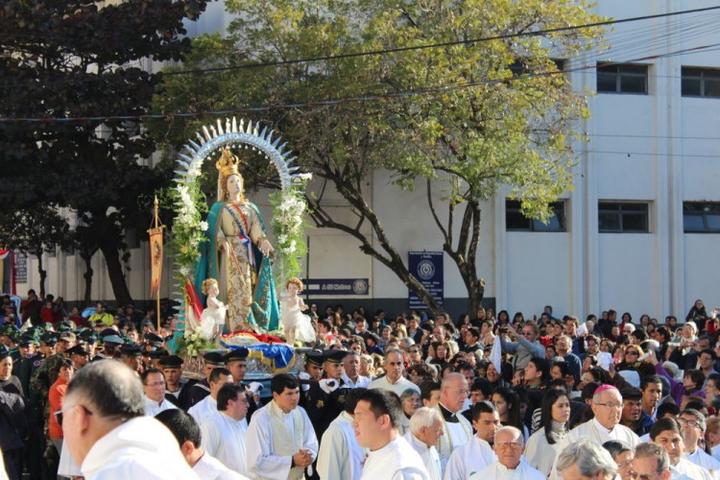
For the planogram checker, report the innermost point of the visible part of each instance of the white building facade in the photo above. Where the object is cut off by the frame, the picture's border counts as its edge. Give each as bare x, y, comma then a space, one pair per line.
640, 232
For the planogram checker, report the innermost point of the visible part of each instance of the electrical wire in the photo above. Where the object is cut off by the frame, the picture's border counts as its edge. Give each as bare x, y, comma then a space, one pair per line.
328, 102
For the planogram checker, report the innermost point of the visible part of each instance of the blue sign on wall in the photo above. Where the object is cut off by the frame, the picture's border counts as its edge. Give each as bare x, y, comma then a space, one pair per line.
336, 286
427, 268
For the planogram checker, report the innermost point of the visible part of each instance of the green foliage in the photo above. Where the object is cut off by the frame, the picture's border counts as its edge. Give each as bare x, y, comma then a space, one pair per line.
85, 58
470, 118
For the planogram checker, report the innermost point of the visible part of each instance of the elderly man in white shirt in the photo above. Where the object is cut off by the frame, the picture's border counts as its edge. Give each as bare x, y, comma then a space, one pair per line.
393, 379
508, 446
208, 405
477, 454
223, 432
607, 406
351, 372
154, 387
375, 424
426, 427
281, 441
340, 455
187, 432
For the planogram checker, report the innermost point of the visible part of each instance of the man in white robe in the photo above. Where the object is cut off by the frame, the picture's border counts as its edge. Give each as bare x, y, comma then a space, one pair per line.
426, 427
508, 447
393, 379
457, 430
390, 456
607, 406
208, 405
223, 432
187, 433
651, 461
341, 456
280, 441
154, 386
667, 434
692, 427
107, 434
477, 454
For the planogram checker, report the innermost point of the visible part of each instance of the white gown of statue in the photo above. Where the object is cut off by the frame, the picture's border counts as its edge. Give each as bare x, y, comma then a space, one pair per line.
296, 325
212, 319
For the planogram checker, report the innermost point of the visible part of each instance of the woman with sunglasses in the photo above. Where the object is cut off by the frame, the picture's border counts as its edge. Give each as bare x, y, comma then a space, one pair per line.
631, 358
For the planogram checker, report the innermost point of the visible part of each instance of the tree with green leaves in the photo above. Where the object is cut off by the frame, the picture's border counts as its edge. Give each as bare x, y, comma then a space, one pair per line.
74, 77
460, 119
35, 231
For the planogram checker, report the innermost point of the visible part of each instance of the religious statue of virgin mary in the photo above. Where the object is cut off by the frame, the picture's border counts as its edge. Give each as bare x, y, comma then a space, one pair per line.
237, 254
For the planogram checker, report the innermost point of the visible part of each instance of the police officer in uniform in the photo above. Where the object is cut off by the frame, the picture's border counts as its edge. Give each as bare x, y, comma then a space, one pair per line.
199, 390
325, 398
24, 369
175, 384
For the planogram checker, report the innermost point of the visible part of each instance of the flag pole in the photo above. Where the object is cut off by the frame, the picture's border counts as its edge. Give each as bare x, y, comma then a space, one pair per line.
156, 256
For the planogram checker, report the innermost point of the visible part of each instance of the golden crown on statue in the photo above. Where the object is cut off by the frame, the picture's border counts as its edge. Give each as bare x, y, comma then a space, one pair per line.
228, 163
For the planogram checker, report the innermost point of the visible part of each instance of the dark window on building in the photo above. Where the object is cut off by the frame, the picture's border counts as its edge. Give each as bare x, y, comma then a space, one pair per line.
701, 217
616, 217
515, 221
622, 78
700, 82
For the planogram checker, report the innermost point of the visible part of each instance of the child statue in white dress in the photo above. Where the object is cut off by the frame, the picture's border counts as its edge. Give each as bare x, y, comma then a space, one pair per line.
212, 319
296, 325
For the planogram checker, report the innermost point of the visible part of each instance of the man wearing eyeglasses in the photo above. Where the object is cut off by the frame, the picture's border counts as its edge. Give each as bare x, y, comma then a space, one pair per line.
607, 407
107, 434
508, 447
692, 428
154, 386
651, 462
525, 347
667, 434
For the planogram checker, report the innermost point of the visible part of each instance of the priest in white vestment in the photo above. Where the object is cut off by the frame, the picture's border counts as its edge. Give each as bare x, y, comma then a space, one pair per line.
477, 454
208, 405
667, 433
607, 405
390, 456
340, 455
426, 427
280, 441
154, 387
187, 433
223, 432
508, 447
692, 428
457, 430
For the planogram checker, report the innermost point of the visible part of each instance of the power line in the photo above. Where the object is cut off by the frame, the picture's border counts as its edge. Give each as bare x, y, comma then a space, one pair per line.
439, 44
649, 154
330, 102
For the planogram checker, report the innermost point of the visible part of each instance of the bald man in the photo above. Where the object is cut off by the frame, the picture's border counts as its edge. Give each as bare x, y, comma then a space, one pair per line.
457, 430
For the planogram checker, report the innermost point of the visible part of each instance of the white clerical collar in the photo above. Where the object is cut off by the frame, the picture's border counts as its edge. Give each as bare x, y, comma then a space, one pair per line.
503, 468
229, 418
279, 410
601, 428
416, 441
385, 447
153, 402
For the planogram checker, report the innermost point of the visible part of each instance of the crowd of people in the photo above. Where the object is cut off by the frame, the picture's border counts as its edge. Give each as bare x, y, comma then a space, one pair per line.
377, 397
